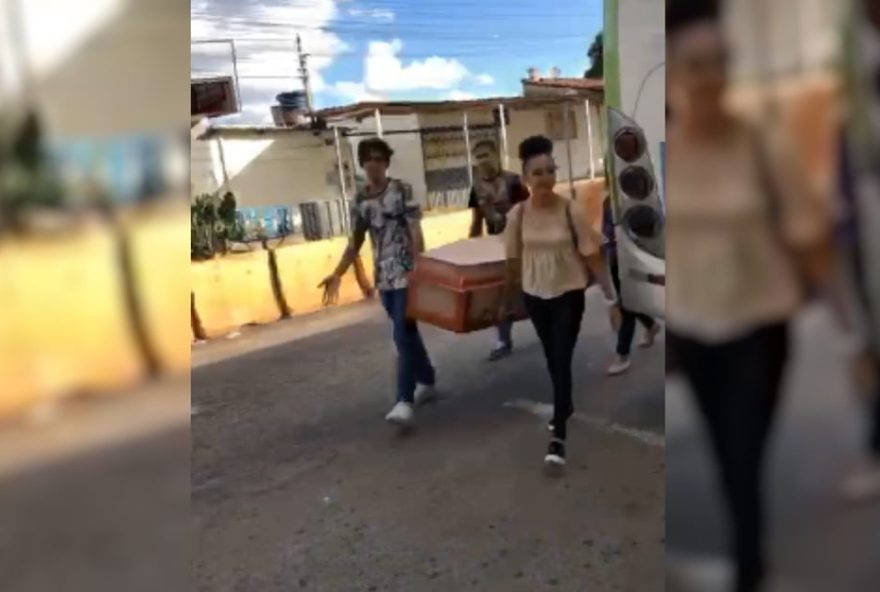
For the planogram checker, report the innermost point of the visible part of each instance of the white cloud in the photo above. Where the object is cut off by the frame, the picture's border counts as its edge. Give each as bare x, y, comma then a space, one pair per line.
385, 72
355, 92
484, 79
265, 68
383, 15
460, 95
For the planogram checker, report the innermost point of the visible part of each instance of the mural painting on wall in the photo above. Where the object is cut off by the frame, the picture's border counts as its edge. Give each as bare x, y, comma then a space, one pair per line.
128, 168
266, 222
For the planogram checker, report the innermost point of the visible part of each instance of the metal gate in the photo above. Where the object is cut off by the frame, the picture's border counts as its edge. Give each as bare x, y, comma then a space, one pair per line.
445, 153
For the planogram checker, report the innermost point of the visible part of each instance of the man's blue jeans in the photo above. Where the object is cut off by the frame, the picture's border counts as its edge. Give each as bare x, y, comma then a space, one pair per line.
505, 333
413, 364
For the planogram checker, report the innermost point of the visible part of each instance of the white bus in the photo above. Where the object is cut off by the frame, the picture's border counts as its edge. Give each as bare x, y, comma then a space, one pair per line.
635, 96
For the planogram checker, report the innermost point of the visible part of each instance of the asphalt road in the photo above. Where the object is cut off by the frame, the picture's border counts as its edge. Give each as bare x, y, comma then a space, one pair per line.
818, 543
298, 484
94, 497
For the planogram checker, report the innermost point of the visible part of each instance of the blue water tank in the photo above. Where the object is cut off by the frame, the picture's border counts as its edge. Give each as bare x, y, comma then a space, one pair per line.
295, 100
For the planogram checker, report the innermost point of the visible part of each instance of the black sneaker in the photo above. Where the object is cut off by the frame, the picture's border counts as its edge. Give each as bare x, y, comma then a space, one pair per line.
555, 453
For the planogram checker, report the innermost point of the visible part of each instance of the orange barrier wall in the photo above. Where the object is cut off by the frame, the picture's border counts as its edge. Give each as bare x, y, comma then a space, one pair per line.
302, 267
224, 304
811, 118
808, 109
234, 291
163, 289
64, 324
590, 194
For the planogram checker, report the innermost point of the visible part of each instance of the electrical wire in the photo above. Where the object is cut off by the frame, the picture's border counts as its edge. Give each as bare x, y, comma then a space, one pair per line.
438, 23
645, 79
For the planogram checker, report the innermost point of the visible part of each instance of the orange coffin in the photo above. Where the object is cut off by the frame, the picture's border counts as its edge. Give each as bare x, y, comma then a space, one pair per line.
458, 286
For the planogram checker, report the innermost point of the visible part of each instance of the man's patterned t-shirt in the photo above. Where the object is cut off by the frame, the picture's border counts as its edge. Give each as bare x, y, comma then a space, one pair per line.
387, 218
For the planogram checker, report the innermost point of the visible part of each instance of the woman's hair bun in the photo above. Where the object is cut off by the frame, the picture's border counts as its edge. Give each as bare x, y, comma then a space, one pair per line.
683, 13
535, 146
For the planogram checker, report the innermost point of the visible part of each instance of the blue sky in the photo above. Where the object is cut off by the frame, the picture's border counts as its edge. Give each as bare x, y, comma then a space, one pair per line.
391, 49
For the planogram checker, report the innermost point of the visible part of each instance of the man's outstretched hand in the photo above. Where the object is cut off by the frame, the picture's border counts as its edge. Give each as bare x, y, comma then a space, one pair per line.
331, 289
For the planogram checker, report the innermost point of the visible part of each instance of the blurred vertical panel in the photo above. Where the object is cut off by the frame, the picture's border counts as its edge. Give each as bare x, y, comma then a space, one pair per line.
108, 67
94, 495
69, 292
156, 238
775, 39
786, 78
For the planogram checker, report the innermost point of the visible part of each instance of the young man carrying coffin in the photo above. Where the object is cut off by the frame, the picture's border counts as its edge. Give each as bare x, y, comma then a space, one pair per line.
386, 210
493, 195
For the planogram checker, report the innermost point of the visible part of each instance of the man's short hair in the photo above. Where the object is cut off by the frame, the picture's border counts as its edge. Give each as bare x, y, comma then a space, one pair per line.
490, 144
370, 145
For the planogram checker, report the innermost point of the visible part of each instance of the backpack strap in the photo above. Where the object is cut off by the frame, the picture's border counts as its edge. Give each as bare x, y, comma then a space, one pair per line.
571, 227
519, 230
767, 181
569, 218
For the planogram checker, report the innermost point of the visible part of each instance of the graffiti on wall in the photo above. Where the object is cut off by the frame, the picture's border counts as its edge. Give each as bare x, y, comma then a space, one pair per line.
126, 169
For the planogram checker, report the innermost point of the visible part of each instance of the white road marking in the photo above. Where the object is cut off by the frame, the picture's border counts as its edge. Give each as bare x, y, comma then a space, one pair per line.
545, 412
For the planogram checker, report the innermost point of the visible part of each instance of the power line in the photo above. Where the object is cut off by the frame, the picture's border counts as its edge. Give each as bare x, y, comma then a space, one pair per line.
466, 50
433, 29
389, 16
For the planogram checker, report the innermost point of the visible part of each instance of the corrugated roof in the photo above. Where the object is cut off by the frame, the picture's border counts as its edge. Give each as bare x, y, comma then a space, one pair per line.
410, 107
260, 130
596, 84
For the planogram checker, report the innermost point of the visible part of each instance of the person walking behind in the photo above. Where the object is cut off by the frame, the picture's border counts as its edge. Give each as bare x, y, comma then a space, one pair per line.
493, 194
550, 245
628, 319
385, 208
859, 179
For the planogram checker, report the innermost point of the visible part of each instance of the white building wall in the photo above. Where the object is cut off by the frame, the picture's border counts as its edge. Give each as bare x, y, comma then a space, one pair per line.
268, 170
525, 123
407, 163
205, 171
91, 65
642, 46
529, 122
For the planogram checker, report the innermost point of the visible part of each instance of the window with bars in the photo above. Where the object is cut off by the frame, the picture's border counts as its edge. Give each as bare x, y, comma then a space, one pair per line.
554, 123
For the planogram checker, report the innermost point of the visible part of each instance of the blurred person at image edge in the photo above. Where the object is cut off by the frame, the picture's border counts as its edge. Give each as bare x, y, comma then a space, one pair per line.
747, 242
860, 192
628, 319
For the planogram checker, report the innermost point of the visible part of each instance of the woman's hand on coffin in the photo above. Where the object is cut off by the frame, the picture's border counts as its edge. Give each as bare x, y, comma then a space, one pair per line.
615, 316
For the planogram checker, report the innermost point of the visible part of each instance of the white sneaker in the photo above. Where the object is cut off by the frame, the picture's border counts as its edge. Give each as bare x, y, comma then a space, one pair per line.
619, 366
698, 574
401, 414
862, 484
424, 393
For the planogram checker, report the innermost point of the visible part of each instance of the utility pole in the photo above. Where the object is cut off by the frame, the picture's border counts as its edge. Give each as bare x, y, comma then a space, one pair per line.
304, 73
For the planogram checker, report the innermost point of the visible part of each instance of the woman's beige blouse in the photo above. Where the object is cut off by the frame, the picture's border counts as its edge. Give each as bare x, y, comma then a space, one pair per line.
730, 268
550, 264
